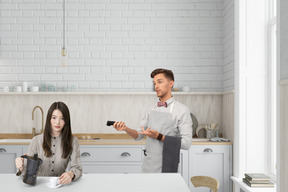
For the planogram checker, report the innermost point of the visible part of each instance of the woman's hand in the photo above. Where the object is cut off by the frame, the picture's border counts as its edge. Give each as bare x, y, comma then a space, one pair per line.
120, 126
19, 161
66, 177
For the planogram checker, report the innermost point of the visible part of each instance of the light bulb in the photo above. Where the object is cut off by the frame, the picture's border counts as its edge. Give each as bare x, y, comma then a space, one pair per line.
63, 53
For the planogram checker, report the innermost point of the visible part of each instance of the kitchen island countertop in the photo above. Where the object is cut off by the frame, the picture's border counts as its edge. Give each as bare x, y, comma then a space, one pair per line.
103, 182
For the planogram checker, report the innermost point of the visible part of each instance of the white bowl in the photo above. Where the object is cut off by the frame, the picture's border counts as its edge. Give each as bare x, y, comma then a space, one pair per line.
34, 89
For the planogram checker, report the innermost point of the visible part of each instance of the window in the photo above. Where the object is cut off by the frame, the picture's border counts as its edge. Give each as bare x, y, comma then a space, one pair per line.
255, 88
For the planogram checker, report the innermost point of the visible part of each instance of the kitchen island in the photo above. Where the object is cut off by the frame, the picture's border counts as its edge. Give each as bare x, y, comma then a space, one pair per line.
167, 182
118, 153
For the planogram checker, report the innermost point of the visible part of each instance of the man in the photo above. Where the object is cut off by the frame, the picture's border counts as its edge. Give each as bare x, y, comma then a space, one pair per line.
165, 119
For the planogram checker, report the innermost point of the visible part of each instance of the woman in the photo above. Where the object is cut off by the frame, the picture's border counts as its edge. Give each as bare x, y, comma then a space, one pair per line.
56, 147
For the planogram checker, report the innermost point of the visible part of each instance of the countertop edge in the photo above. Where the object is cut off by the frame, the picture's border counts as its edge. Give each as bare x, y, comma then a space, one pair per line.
124, 143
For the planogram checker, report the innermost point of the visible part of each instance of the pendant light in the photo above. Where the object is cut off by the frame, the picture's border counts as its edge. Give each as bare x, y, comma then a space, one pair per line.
63, 51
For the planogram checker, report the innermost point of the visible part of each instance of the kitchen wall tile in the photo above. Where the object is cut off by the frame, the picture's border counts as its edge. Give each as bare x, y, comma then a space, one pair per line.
228, 39
197, 36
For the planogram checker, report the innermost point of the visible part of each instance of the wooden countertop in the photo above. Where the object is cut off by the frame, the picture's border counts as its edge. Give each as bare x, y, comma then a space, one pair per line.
93, 139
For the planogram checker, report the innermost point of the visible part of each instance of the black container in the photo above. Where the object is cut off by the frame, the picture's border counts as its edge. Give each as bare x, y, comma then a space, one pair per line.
33, 163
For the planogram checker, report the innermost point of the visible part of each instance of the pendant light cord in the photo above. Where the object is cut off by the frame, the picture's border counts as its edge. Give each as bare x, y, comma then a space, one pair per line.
63, 24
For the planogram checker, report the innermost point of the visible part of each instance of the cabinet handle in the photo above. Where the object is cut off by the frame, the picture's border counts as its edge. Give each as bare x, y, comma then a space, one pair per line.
208, 150
2, 150
125, 154
85, 154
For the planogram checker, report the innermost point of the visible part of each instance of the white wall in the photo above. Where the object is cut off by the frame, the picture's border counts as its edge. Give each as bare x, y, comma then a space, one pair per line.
115, 46
282, 168
284, 40
228, 43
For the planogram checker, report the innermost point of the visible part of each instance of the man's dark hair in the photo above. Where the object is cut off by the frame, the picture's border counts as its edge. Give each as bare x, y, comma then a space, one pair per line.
167, 73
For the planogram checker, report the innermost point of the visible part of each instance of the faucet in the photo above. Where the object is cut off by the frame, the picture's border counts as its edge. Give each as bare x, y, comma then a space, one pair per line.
33, 130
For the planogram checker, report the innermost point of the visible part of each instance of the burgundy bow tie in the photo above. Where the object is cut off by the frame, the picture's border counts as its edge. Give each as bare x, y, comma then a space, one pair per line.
160, 104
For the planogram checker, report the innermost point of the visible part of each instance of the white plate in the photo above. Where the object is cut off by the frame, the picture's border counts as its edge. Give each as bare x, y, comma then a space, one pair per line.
54, 187
201, 131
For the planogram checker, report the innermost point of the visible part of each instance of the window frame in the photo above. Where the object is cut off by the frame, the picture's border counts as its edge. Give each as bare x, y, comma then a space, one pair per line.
272, 92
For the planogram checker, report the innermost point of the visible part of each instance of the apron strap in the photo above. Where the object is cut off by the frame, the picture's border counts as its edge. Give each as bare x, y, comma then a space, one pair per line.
172, 106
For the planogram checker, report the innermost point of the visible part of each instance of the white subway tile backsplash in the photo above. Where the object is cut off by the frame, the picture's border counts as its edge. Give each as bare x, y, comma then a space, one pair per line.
84, 70
39, 70
127, 85
116, 70
228, 44
116, 77
95, 77
51, 77
108, 40
28, 69
29, 77
5, 70
82, 85
103, 85
115, 85
138, 85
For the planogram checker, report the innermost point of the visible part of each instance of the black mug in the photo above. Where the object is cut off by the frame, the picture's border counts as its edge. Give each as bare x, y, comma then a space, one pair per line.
33, 163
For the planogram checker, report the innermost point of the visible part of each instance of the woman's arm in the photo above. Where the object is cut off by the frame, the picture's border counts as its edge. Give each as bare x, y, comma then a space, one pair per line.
75, 161
19, 161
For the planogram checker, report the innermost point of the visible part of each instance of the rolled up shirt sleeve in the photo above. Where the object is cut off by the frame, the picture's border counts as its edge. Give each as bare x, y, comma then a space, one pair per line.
75, 160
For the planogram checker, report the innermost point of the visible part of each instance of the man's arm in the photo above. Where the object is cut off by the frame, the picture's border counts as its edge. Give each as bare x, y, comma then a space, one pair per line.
120, 126
185, 128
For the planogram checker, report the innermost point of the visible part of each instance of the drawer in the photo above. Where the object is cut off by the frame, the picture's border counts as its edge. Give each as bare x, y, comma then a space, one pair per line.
207, 149
111, 154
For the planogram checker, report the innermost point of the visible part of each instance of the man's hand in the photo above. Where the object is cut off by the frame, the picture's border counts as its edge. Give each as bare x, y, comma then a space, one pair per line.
149, 132
120, 126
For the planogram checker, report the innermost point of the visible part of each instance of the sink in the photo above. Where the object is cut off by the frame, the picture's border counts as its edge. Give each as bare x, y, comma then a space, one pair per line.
15, 140
89, 139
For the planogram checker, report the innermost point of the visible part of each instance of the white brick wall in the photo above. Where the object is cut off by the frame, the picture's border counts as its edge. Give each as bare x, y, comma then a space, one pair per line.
114, 45
228, 43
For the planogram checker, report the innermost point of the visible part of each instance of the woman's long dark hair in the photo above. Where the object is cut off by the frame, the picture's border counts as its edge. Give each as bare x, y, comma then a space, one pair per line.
66, 131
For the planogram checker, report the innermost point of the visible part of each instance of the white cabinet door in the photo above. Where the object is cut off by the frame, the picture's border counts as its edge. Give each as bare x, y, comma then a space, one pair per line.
121, 159
214, 161
184, 164
8, 153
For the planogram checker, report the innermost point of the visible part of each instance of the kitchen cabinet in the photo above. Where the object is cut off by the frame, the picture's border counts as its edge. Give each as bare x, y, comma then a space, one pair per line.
111, 159
214, 161
120, 159
8, 153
